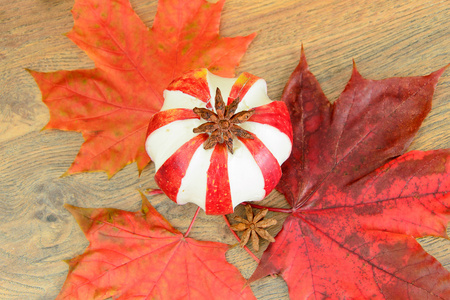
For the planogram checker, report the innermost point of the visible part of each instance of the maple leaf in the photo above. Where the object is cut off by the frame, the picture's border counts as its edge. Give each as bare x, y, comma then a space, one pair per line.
357, 203
112, 104
139, 255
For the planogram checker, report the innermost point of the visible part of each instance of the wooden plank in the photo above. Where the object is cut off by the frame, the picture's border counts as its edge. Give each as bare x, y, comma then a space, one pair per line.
386, 38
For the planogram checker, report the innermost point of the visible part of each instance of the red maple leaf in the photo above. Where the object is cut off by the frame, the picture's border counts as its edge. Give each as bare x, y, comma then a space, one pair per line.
139, 255
113, 103
358, 202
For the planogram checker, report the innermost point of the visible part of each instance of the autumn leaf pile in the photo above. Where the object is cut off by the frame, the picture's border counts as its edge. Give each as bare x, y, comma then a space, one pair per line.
358, 200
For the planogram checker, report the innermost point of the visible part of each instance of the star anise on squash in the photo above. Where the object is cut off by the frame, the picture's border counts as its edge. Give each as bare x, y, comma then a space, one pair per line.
254, 226
222, 124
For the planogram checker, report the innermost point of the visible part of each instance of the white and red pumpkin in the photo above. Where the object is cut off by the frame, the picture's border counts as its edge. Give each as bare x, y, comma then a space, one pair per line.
215, 179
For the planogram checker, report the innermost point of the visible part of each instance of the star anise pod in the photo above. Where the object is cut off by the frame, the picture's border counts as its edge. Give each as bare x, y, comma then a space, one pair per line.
222, 123
253, 227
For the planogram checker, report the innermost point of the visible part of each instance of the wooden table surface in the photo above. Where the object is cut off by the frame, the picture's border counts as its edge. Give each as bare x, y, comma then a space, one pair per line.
386, 38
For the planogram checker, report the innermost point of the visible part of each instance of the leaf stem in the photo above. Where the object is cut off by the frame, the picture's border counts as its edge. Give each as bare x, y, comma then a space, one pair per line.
275, 209
192, 222
238, 239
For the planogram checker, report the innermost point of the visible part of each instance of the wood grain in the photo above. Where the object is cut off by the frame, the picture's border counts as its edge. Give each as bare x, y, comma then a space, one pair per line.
385, 38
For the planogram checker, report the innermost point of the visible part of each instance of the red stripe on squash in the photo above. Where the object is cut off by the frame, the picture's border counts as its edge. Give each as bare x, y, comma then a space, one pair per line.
173, 170
193, 83
241, 86
165, 117
274, 114
218, 194
267, 163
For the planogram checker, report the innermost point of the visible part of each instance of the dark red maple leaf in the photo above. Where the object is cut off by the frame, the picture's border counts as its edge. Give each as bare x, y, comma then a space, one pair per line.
139, 255
358, 201
113, 103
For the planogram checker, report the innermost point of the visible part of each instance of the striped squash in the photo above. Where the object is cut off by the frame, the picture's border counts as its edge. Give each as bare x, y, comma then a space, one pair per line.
215, 179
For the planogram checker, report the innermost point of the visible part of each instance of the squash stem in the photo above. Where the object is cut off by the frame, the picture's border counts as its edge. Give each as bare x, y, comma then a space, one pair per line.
238, 239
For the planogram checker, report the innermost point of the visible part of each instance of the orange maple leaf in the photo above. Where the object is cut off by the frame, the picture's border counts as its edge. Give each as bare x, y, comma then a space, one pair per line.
139, 255
112, 104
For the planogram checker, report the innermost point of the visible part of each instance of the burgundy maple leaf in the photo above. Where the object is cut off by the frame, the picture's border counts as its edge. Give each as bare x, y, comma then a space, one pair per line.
358, 202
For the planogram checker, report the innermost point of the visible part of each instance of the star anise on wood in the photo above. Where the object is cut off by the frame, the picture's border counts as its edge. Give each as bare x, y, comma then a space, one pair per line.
254, 226
222, 124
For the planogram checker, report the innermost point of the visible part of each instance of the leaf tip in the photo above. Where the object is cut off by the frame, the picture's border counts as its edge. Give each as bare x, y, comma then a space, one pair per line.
303, 57
437, 74
66, 173
109, 172
217, 2
355, 72
31, 72
445, 235
145, 203
68, 206
71, 208
251, 36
